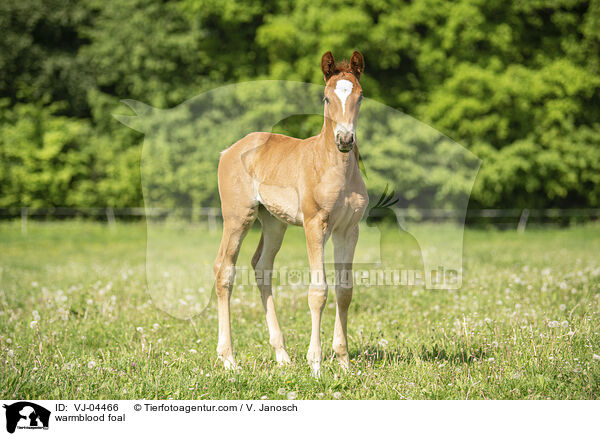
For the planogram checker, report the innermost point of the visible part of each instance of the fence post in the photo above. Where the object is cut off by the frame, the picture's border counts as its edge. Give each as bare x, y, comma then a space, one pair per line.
110, 216
523, 221
212, 220
24, 212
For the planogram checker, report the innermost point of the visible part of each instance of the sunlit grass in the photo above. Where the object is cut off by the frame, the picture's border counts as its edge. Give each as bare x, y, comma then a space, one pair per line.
76, 321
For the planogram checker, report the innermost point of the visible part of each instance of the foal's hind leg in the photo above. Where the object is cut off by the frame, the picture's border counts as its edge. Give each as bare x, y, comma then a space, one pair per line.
273, 231
234, 230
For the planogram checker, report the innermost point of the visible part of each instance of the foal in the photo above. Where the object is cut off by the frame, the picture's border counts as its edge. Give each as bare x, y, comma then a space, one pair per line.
314, 183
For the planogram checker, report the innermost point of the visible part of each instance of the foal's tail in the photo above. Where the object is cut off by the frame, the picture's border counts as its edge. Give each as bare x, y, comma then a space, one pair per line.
258, 251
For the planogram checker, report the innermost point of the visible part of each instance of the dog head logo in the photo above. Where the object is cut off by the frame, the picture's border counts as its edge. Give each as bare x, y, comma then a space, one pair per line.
26, 415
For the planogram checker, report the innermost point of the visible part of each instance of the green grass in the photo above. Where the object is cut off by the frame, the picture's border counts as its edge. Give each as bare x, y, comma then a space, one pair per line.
76, 321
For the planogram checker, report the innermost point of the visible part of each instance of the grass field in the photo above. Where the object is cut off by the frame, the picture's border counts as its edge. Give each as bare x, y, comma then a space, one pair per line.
76, 321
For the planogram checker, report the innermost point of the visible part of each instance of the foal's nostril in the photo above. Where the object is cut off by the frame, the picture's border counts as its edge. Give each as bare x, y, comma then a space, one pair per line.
345, 138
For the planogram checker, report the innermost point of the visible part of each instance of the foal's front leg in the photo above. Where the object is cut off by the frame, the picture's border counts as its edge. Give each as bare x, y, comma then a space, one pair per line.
317, 292
344, 243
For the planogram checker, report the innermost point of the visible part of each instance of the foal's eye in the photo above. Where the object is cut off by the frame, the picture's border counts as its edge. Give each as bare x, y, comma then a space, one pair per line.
360, 98
326, 100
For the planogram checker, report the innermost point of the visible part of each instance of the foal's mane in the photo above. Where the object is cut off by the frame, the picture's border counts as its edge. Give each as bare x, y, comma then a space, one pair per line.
342, 66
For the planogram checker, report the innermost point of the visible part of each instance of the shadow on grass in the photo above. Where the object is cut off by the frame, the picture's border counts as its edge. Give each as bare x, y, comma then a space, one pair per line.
376, 353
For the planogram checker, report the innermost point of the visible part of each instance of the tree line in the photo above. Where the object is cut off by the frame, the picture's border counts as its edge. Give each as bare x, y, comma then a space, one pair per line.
516, 83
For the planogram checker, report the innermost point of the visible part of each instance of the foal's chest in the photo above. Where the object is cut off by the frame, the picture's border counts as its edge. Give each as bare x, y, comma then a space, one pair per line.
350, 209
344, 202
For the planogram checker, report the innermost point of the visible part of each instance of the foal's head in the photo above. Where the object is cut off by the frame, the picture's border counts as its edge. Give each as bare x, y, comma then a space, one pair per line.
343, 95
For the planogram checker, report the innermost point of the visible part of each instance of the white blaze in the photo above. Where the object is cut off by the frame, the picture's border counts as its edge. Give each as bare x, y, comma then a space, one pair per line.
343, 128
343, 89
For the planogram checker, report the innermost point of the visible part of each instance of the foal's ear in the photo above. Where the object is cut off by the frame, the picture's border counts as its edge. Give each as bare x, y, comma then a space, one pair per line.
328, 65
357, 64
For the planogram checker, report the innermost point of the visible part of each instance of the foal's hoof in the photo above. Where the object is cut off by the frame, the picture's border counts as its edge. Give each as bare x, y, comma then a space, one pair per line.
282, 357
344, 362
314, 361
229, 364
315, 369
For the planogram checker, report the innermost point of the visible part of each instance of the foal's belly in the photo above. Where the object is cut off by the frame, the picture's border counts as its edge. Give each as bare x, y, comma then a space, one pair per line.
281, 202
284, 204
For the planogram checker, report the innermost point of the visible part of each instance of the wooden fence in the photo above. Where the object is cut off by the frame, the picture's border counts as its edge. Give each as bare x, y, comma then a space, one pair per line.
212, 216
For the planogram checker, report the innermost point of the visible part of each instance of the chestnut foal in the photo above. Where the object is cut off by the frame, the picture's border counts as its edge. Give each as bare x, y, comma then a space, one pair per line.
314, 183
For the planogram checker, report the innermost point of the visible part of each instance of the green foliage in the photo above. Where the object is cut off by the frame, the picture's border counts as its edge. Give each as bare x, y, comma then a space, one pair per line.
52, 160
39, 52
516, 83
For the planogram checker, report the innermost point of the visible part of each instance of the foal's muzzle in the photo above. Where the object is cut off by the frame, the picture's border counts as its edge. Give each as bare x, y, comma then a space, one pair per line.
345, 140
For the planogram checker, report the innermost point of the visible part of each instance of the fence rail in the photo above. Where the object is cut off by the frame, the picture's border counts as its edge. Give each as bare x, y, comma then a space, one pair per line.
212, 214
